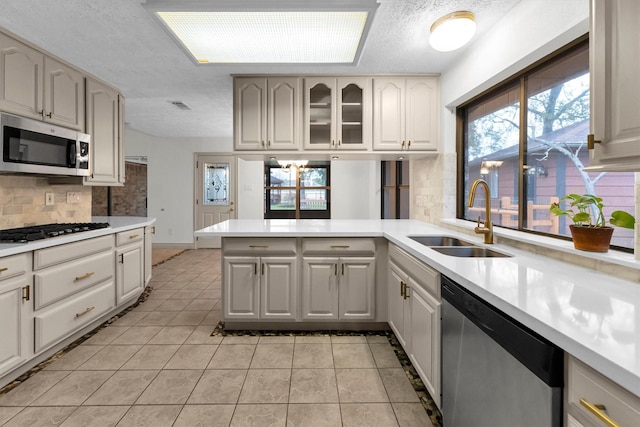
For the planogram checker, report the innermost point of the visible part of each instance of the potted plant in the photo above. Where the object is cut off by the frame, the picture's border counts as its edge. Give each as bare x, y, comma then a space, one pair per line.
590, 231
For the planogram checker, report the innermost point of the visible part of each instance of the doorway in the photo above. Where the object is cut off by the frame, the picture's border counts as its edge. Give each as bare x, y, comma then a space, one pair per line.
215, 194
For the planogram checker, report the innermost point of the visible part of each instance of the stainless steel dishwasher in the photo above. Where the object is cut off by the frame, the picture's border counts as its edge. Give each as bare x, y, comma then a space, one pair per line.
495, 371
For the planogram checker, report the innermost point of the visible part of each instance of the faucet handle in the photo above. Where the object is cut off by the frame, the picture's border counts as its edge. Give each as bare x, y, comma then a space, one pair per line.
479, 216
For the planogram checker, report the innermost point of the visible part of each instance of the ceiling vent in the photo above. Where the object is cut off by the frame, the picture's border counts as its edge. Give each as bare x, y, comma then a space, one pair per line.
181, 105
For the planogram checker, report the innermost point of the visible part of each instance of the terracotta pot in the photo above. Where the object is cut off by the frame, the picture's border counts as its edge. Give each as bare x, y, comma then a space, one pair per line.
592, 239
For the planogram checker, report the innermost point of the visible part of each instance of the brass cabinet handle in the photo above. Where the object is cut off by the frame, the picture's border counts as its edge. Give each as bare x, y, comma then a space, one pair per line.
255, 268
121, 258
409, 144
3, 269
133, 236
85, 311
258, 246
592, 141
339, 142
262, 269
153, 230
402, 285
340, 246
596, 410
335, 269
333, 142
84, 276
27, 293
402, 144
342, 265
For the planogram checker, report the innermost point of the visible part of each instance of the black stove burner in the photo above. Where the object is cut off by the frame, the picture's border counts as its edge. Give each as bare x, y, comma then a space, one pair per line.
38, 232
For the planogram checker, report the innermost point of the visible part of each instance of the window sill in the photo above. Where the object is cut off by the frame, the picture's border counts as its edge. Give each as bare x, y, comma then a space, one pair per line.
607, 262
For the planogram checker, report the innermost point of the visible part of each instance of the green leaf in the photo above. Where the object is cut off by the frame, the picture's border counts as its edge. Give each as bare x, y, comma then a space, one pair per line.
581, 217
622, 219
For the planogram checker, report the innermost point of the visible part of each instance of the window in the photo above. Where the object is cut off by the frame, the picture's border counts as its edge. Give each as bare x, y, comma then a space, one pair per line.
297, 192
527, 139
395, 189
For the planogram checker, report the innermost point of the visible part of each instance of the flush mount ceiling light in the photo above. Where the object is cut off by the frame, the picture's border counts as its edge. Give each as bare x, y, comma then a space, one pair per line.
268, 32
452, 31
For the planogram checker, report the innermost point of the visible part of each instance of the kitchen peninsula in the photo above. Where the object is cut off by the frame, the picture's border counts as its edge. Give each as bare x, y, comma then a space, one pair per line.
550, 297
54, 290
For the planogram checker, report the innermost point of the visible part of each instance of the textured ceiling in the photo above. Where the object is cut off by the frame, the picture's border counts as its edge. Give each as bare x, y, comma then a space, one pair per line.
119, 42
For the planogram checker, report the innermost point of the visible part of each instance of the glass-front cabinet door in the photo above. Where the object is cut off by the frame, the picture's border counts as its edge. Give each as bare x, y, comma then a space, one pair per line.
320, 116
338, 113
354, 113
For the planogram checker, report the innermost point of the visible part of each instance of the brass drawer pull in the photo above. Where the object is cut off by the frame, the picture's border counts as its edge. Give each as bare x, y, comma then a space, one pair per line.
84, 276
596, 410
258, 246
133, 236
3, 269
27, 293
85, 311
340, 246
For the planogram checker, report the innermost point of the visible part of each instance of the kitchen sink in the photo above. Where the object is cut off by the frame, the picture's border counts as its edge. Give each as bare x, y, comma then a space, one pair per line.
470, 252
440, 241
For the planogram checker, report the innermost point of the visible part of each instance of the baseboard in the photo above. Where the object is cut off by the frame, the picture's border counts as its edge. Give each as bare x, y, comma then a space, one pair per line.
173, 246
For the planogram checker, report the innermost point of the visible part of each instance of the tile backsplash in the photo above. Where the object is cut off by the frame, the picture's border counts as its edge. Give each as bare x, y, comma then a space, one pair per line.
23, 202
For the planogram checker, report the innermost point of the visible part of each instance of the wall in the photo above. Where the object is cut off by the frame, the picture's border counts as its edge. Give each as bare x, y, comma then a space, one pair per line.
170, 174
530, 31
22, 198
170, 171
127, 200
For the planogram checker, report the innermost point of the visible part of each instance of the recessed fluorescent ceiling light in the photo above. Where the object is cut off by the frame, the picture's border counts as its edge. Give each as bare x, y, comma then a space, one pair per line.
269, 37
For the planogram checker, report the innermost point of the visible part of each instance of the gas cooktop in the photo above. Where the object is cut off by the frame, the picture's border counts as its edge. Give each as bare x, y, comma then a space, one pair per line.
38, 232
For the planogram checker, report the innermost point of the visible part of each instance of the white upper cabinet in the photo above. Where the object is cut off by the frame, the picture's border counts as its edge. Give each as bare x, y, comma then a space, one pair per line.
614, 49
337, 113
266, 113
37, 86
104, 124
406, 114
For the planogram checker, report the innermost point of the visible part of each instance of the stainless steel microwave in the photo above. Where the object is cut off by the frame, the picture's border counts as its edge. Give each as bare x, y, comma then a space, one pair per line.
32, 146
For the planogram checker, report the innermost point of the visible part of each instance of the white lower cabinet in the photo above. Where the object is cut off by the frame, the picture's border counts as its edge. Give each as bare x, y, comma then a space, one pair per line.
16, 311
414, 314
260, 287
338, 288
149, 232
130, 279
593, 400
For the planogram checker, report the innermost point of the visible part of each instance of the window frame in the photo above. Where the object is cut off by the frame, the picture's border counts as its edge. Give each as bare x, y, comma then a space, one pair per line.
296, 213
518, 79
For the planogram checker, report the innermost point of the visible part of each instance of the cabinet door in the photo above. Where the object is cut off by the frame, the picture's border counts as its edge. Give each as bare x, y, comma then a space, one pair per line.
422, 118
396, 278
148, 252
354, 113
425, 338
320, 288
21, 69
614, 49
320, 113
388, 114
283, 112
63, 95
250, 113
16, 340
357, 288
278, 288
241, 281
130, 272
102, 124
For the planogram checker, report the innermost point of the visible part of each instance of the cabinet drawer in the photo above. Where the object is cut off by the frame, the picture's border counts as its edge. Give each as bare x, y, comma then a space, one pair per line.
258, 246
129, 236
60, 281
61, 320
15, 265
426, 276
55, 255
320, 246
584, 383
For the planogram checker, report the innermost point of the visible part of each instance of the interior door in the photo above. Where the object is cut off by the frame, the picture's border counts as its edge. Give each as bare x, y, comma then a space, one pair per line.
215, 195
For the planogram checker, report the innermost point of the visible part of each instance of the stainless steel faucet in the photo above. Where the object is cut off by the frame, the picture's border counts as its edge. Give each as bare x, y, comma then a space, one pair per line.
487, 228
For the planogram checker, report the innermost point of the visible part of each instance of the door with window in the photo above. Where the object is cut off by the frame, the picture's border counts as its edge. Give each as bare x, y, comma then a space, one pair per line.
215, 194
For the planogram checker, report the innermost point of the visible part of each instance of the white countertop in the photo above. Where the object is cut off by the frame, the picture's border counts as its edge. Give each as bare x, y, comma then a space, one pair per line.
117, 224
593, 316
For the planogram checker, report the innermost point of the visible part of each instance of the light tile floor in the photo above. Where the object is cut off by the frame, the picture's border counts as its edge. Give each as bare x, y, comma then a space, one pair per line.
158, 366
